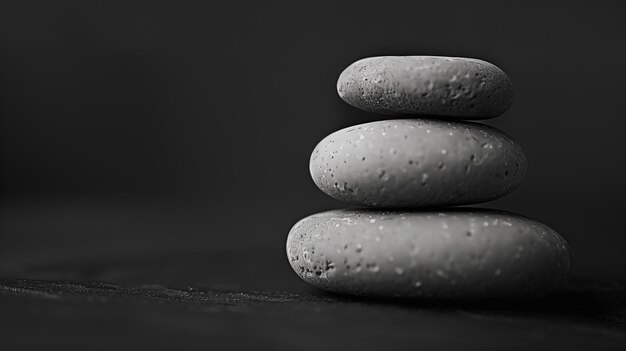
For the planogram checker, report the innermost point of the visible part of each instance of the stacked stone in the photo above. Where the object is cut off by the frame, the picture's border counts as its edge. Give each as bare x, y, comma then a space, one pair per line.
408, 244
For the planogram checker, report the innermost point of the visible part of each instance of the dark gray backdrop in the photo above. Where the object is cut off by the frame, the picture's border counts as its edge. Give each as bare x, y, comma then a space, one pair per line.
149, 127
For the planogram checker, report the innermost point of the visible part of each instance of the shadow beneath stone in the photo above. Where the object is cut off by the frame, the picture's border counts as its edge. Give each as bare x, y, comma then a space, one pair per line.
350, 116
581, 301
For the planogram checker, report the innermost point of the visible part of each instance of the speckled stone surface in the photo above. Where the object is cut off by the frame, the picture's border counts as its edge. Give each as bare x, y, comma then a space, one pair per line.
450, 87
462, 254
417, 163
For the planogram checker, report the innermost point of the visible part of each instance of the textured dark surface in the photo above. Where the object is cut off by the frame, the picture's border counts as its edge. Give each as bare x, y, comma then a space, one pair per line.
116, 275
42, 314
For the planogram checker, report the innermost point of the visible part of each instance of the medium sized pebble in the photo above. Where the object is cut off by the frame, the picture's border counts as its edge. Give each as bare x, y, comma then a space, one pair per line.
450, 87
460, 254
417, 163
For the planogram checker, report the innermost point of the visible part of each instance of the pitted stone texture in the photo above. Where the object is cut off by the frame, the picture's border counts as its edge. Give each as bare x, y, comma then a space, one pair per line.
464, 254
417, 163
450, 87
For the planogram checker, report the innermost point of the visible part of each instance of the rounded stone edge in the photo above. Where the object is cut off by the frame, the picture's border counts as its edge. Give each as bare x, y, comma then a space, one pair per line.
505, 90
558, 282
491, 130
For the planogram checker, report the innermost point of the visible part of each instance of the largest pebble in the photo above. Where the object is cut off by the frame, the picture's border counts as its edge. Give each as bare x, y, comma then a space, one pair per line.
453, 254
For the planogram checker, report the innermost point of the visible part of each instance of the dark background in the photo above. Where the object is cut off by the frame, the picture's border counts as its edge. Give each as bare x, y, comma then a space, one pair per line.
136, 133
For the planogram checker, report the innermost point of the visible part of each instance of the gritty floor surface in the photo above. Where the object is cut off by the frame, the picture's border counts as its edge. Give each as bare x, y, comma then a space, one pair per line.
136, 280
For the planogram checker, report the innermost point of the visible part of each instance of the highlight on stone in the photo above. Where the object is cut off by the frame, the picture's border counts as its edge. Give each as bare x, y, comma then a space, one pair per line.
410, 242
